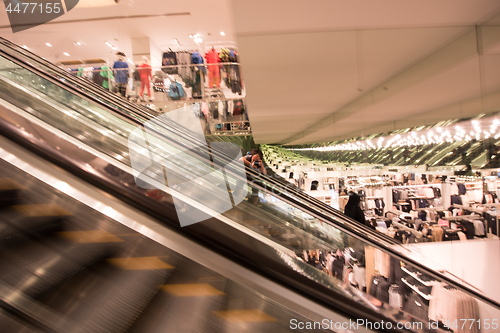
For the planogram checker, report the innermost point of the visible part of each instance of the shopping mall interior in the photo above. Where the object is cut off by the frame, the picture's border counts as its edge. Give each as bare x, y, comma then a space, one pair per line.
250, 166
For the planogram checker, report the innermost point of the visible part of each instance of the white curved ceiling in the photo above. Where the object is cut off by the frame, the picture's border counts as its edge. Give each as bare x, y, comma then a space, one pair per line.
315, 71
329, 70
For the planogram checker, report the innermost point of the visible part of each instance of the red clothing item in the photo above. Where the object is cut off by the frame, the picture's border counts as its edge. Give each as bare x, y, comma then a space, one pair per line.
145, 72
212, 57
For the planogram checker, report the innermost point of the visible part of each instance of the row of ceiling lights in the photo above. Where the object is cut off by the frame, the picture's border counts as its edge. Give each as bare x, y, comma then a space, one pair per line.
197, 39
464, 131
77, 43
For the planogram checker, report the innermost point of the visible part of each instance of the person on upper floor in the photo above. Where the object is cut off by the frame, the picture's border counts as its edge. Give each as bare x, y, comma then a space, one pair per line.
353, 210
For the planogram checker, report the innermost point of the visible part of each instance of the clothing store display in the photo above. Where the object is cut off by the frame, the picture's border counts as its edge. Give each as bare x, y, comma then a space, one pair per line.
212, 58
359, 275
121, 76
121, 71
169, 58
382, 263
145, 74
461, 189
106, 74
417, 306
380, 289
176, 92
449, 305
395, 297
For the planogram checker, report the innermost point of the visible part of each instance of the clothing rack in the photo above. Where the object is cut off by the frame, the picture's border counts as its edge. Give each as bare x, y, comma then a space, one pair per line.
423, 185
479, 211
426, 297
402, 226
430, 208
496, 215
463, 217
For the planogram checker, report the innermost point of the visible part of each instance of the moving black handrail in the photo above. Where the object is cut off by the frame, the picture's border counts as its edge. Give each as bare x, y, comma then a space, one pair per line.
352, 229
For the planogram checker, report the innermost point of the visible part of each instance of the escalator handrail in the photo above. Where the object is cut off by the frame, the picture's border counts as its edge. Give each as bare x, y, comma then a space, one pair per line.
352, 228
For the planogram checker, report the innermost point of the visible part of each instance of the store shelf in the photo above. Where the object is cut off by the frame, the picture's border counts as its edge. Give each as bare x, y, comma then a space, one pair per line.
427, 297
415, 276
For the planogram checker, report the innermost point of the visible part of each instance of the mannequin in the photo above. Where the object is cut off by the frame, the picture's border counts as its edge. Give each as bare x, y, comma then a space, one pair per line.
121, 73
146, 74
212, 57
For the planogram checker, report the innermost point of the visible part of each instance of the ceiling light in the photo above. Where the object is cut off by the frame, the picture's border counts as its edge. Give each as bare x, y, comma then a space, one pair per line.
66, 54
222, 33
176, 41
198, 40
110, 45
48, 44
191, 35
77, 43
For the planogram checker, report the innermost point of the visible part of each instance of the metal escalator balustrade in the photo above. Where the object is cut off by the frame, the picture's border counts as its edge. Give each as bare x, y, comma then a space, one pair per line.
308, 241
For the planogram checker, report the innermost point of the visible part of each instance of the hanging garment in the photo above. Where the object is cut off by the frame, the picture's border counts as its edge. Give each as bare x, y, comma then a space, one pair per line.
176, 92
97, 77
169, 59
212, 58
379, 289
121, 71
451, 305
107, 74
417, 306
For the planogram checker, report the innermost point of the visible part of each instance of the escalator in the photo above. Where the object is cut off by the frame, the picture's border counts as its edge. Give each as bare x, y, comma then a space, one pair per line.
111, 274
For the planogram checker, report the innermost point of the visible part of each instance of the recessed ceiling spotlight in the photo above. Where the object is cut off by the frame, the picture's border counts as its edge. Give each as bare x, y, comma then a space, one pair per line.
222, 33
66, 54
77, 43
25, 47
191, 35
48, 44
176, 41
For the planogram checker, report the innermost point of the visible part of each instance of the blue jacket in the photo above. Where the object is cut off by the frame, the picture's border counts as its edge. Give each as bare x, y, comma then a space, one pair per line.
121, 76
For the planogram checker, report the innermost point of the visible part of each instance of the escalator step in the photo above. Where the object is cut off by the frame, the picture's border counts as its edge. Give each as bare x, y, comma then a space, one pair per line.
118, 308
183, 308
90, 236
41, 210
244, 316
191, 290
9, 192
140, 263
31, 220
44, 274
